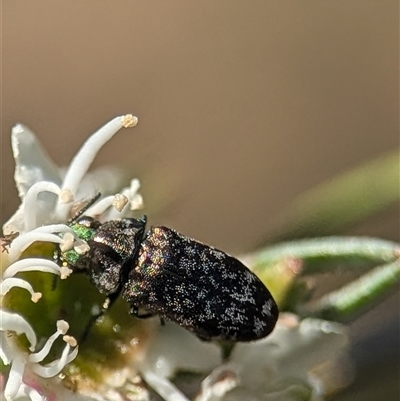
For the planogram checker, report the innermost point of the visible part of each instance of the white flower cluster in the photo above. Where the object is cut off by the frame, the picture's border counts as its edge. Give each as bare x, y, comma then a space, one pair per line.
46, 200
275, 368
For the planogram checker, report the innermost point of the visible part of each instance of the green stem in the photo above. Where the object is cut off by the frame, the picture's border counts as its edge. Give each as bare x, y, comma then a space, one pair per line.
342, 201
320, 254
351, 299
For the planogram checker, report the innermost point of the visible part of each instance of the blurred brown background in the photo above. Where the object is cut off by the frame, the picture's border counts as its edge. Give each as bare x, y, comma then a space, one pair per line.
242, 106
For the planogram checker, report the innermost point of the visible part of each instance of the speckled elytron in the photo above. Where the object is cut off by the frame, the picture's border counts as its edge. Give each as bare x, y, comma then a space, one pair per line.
182, 280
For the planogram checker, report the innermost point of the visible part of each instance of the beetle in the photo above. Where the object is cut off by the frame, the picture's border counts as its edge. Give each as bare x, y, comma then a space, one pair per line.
162, 272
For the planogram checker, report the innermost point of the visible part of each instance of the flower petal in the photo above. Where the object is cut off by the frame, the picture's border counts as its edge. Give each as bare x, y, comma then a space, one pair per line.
30, 392
291, 349
175, 348
32, 164
163, 387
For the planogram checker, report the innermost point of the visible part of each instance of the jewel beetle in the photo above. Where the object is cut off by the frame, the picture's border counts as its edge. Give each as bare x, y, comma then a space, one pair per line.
164, 273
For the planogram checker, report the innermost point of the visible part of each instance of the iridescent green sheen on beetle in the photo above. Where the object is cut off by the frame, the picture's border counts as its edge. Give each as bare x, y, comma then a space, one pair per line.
84, 233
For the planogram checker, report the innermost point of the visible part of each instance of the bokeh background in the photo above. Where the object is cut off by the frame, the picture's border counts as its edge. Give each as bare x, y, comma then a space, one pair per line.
242, 107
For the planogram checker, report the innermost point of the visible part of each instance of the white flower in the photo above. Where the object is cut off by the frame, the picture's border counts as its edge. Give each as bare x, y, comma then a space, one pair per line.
45, 194
279, 367
24, 366
46, 201
124, 357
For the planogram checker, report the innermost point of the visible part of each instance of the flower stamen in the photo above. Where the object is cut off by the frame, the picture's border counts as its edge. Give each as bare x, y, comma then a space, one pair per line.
31, 199
9, 283
133, 196
35, 264
62, 327
15, 377
55, 367
84, 158
40, 234
14, 322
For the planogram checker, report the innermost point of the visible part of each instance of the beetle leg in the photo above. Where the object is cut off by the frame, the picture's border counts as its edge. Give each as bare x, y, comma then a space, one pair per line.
141, 315
109, 301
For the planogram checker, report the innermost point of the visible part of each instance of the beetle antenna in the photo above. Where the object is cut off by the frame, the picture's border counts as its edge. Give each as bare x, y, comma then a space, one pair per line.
90, 202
